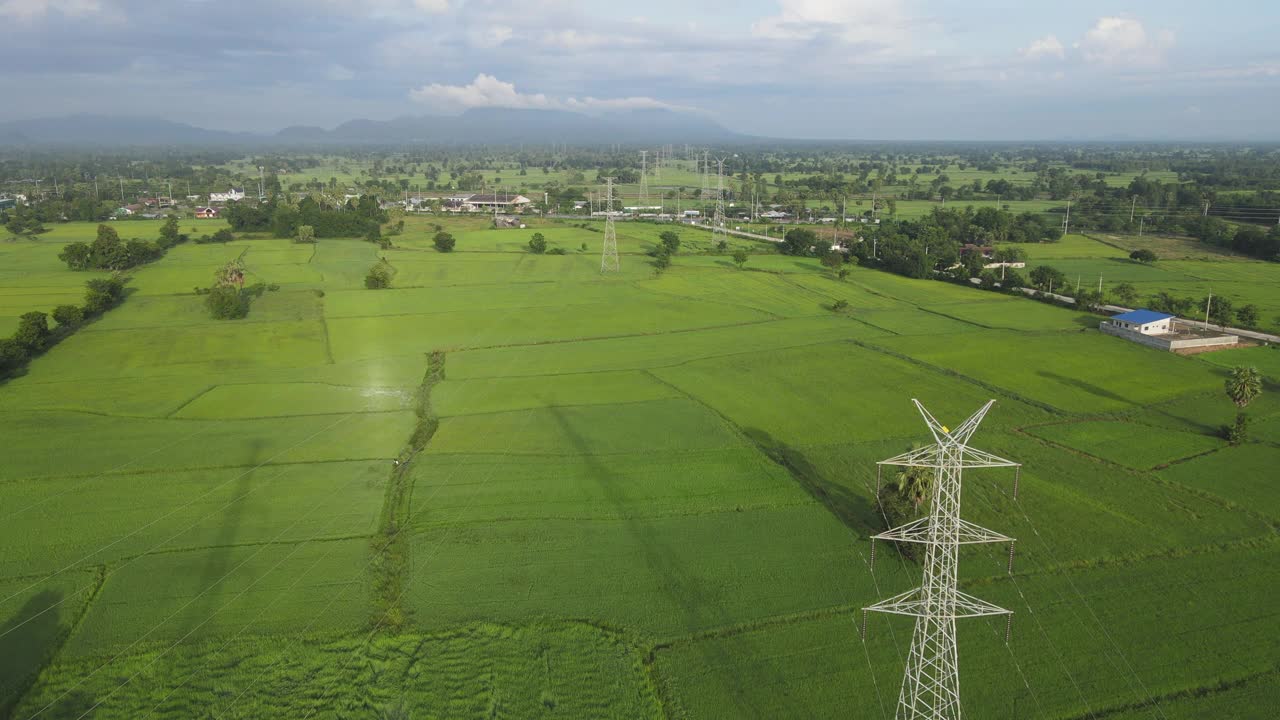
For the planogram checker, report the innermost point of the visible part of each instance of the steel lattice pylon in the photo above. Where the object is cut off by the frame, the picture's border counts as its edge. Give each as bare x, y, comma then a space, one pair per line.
718, 233
609, 257
931, 682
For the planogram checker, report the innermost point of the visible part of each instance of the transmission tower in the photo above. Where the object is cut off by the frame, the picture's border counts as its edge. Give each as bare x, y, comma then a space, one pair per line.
706, 169
718, 233
644, 178
609, 257
931, 682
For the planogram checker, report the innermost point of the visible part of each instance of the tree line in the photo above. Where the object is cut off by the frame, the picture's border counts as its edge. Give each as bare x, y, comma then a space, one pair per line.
34, 335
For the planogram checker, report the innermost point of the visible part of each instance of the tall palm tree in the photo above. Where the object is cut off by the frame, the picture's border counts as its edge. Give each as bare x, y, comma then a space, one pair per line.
1243, 385
915, 484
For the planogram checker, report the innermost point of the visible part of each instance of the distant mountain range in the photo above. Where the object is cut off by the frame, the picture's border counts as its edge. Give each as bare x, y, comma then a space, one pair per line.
476, 126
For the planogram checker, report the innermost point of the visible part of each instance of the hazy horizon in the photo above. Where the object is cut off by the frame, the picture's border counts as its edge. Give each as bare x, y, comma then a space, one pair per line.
877, 70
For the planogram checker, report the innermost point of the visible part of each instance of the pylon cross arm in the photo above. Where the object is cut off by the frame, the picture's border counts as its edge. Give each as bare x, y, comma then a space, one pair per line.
912, 602
932, 457
917, 531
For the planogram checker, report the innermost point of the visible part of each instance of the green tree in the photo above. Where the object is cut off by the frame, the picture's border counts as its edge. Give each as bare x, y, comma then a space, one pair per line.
537, 244
169, 234
903, 499
670, 240
798, 241
1125, 293
740, 257
662, 259
102, 294
1247, 316
226, 302
12, 355
1143, 255
68, 316
1243, 385
832, 260
444, 242
305, 234
1221, 310
379, 277
77, 256
1048, 278
33, 331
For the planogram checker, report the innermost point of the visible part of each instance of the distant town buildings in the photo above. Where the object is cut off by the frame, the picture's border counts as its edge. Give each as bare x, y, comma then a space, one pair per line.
232, 195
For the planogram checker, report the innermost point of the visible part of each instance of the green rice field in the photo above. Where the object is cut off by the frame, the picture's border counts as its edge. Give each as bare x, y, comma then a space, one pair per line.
511, 486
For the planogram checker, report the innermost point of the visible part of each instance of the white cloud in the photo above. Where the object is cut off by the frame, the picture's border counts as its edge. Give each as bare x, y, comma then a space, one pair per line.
489, 36
489, 91
1124, 42
880, 22
33, 9
432, 6
1045, 47
339, 72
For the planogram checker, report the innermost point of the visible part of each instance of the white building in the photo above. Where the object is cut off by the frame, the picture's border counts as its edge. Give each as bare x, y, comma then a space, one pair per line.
506, 202
1147, 322
231, 195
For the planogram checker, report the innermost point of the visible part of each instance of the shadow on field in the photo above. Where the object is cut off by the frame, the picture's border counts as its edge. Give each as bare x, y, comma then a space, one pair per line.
857, 512
220, 547
1087, 322
26, 641
1085, 386
679, 580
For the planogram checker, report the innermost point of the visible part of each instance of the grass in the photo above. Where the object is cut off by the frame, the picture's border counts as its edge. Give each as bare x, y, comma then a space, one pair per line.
633, 495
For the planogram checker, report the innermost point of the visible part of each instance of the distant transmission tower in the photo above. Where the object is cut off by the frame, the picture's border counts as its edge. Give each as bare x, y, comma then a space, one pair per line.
609, 257
718, 233
644, 178
931, 683
706, 169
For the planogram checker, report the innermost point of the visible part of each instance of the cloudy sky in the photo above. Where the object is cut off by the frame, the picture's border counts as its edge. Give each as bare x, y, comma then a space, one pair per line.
873, 69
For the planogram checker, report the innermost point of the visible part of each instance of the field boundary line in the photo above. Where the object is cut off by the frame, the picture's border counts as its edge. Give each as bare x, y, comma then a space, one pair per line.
1153, 476
200, 468
32, 677
1191, 692
169, 416
1004, 392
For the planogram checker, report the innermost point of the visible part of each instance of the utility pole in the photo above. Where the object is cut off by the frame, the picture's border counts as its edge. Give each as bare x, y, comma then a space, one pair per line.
1207, 303
1133, 206
96, 194
1066, 221
1206, 208
121, 189
1099, 283
609, 256
931, 681
1142, 221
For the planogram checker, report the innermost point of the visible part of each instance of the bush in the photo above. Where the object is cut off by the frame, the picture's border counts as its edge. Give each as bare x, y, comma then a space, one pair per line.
1143, 255
102, 294
33, 331
305, 234
226, 303
740, 257
379, 277
538, 244
12, 355
670, 240
839, 305
1237, 432
557, 251
68, 316
444, 242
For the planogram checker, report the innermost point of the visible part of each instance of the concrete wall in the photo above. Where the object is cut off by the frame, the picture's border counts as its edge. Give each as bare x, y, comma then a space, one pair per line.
1164, 343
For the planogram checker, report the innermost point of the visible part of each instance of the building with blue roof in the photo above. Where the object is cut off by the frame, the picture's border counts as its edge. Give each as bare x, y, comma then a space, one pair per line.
1142, 320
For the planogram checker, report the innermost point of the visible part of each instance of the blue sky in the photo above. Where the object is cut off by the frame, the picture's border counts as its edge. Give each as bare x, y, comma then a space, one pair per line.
869, 69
